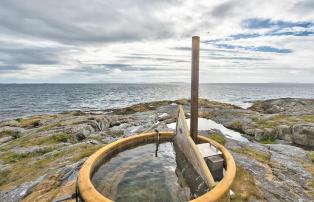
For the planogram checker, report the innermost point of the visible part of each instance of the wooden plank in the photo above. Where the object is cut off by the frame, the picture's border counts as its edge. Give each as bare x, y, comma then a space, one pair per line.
194, 87
190, 150
207, 150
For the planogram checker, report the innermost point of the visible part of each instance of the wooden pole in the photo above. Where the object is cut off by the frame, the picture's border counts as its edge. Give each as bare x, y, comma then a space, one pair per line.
194, 87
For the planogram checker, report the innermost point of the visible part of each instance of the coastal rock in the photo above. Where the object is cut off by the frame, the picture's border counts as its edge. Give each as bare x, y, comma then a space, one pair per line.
270, 133
303, 134
24, 151
284, 133
6, 139
289, 150
12, 123
82, 130
295, 106
281, 178
259, 135
70, 172
21, 191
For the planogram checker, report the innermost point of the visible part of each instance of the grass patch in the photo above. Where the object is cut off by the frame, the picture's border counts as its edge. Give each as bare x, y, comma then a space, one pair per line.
276, 120
142, 107
30, 123
12, 157
236, 125
11, 133
244, 186
218, 138
26, 169
311, 156
269, 140
97, 138
85, 151
51, 139
307, 118
206, 115
46, 190
51, 126
118, 133
77, 113
252, 153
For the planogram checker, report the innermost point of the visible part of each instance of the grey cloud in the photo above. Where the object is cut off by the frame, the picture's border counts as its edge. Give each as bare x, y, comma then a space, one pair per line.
37, 56
225, 9
10, 68
153, 58
306, 6
108, 68
82, 21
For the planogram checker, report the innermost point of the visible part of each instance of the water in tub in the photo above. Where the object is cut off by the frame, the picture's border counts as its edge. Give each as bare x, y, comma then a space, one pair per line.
138, 175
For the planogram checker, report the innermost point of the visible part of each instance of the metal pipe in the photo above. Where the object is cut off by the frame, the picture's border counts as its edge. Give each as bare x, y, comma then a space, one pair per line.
194, 87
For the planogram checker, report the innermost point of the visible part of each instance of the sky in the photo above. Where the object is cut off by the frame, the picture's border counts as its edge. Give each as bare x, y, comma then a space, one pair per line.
130, 41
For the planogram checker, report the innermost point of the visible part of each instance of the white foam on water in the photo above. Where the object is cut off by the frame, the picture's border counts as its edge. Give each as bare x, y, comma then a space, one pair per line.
207, 124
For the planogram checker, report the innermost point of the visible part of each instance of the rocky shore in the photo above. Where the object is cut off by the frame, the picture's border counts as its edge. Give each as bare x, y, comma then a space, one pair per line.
40, 156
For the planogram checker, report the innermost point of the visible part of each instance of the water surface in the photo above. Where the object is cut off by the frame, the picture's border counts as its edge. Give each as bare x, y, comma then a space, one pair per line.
17, 100
138, 175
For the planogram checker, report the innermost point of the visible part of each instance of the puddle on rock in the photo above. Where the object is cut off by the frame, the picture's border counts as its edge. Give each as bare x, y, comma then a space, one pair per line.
138, 175
207, 124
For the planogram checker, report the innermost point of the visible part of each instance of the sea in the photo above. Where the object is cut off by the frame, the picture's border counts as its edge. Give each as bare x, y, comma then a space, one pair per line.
20, 100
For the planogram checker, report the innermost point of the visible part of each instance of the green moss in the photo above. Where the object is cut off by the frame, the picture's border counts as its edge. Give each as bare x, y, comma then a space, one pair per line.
218, 138
244, 186
49, 140
257, 155
236, 125
142, 107
64, 137
51, 126
12, 133
12, 157
307, 118
18, 119
85, 151
78, 113
276, 120
97, 138
118, 133
311, 156
206, 115
269, 140
30, 123
27, 169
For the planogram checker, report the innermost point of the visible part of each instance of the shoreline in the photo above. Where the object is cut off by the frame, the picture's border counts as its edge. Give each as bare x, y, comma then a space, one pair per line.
47, 150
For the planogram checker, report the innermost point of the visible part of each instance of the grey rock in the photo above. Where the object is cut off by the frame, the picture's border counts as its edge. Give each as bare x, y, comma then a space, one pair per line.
270, 132
83, 130
284, 133
6, 139
273, 188
289, 150
303, 134
294, 106
259, 134
12, 123
249, 131
30, 150
70, 172
18, 193
4, 167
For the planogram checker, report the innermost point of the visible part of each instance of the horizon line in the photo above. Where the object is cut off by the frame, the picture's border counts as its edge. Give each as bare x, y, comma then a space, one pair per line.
161, 83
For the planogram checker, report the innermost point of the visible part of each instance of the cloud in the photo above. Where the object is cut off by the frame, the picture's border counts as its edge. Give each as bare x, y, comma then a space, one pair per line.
111, 41
268, 49
82, 21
